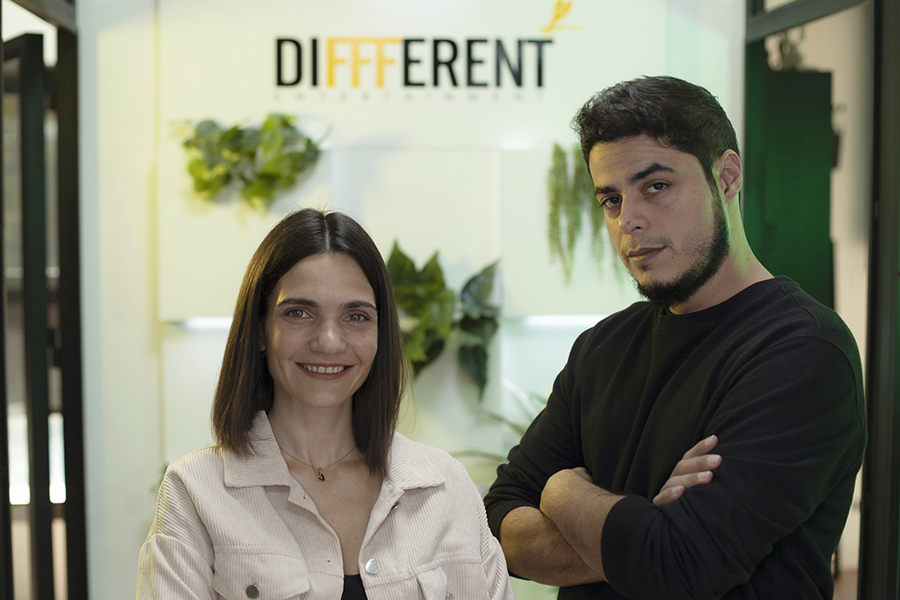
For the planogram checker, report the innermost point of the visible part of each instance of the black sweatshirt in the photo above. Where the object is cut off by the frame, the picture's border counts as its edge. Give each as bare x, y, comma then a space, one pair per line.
776, 376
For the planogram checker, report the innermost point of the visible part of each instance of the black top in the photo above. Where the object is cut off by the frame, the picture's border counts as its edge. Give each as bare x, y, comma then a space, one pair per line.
353, 588
776, 376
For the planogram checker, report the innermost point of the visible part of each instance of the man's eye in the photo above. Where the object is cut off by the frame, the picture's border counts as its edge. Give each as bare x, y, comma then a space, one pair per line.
610, 202
658, 187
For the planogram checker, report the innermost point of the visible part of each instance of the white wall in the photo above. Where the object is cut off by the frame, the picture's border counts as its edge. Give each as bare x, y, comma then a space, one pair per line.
436, 174
123, 438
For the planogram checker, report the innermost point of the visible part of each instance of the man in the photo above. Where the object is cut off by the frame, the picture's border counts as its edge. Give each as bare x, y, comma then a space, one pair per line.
611, 493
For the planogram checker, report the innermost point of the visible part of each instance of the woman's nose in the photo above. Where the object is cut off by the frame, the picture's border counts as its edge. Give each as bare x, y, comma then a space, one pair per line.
328, 337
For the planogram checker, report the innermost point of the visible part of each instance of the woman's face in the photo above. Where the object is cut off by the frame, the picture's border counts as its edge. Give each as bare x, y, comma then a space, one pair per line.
321, 331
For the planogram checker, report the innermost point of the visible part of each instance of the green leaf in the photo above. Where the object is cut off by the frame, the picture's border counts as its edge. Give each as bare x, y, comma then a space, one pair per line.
473, 361
207, 129
401, 268
433, 274
438, 313
271, 142
481, 329
198, 169
476, 294
280, 164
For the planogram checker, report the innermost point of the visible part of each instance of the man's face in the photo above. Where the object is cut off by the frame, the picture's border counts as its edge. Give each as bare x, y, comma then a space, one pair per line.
668, 226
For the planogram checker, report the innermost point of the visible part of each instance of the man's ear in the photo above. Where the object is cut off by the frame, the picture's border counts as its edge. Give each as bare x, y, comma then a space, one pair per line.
729, 174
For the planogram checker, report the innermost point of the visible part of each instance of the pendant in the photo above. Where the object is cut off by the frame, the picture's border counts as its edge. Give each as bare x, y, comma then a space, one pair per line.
321, 474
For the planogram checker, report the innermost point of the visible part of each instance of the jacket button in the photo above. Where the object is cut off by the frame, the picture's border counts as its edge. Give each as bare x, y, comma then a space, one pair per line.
372, 566
252, 591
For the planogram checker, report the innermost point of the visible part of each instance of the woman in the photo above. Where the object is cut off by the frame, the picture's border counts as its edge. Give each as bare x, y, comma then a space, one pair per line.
309, 492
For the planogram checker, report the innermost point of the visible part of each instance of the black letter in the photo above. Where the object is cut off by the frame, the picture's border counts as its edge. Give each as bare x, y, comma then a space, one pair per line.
315, 62
515, 70
407, 61
279, 44
437, 62
540, 59
472, 62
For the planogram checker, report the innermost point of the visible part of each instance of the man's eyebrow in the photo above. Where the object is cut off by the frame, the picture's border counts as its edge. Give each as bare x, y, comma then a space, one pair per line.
650, 170
646, 172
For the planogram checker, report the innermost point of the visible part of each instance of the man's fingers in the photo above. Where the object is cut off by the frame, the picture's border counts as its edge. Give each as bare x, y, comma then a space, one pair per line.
668, 494
675, 486
697, 464
702, 447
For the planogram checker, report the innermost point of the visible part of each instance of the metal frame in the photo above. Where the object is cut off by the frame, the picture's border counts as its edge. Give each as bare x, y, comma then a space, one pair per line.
761, 24
879, 570
64, 89
60, 13
879, 563
70, 312
29, 50
6, 565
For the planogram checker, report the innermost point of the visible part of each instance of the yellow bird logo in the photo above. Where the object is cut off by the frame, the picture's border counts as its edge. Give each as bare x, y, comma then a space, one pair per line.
560, 11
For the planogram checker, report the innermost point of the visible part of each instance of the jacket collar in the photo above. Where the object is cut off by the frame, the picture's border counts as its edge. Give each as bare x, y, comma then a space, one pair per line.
264, 465
410, 466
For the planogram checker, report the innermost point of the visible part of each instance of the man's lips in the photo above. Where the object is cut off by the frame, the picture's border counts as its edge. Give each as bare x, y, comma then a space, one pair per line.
643, 253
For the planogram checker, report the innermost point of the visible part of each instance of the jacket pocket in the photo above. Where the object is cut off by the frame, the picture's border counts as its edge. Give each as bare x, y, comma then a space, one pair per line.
433, 584
260, 576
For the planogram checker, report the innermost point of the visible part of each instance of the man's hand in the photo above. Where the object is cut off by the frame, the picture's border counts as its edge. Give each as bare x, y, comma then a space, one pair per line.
695, 467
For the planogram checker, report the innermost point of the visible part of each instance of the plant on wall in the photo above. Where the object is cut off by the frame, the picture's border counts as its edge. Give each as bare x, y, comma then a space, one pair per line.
570, 194
261, 161
431, 314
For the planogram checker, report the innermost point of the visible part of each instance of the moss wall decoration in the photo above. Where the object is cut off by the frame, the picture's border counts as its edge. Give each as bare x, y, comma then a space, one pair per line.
260, 161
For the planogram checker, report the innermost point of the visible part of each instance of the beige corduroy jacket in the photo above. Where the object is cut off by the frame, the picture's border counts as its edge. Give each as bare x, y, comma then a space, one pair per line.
238, 527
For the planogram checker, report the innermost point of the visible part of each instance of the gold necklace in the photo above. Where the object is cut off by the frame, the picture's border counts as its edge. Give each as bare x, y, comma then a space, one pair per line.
320, 471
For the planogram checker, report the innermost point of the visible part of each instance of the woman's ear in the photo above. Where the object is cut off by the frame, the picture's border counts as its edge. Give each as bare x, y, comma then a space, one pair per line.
261, 339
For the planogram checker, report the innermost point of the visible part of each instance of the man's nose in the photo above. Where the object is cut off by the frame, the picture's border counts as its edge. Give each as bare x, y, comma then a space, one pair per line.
631, 216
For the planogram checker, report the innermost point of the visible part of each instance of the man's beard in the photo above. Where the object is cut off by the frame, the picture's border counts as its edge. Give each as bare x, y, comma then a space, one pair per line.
679, 291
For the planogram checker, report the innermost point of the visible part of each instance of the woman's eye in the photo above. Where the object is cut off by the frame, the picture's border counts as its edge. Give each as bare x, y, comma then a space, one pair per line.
297, 313
358, 318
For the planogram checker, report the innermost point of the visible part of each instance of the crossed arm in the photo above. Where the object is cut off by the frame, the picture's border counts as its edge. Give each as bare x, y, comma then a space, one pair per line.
559, 544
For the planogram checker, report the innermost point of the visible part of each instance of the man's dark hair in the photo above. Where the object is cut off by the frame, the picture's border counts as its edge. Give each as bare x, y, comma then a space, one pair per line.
245, 384
675, 113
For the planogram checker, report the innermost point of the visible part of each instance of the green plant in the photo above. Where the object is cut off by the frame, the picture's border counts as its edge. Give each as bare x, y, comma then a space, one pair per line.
431, 314
260, 160
570, 194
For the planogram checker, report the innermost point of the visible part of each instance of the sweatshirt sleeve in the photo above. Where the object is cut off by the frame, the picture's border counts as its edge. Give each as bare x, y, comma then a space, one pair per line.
791, 433
551, 443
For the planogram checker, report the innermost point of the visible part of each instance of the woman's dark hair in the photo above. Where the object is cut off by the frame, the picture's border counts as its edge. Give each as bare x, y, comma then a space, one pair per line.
245, 385
675, 113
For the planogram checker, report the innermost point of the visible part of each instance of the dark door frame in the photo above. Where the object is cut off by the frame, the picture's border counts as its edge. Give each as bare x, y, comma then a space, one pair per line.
879, 569
67, 340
